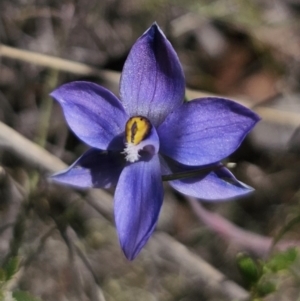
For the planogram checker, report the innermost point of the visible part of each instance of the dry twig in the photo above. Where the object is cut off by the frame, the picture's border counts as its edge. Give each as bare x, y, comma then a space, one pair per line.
111, 78
261, 245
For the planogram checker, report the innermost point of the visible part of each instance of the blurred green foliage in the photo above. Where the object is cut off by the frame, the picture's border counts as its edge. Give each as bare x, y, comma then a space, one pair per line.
7, 273
10, 268
24, 296
264, 277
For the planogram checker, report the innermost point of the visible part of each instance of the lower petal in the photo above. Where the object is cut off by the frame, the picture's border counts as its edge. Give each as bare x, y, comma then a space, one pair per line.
95, 168
138, 199
214, 183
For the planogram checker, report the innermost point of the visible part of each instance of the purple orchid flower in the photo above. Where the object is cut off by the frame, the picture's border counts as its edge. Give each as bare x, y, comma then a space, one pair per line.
149, 134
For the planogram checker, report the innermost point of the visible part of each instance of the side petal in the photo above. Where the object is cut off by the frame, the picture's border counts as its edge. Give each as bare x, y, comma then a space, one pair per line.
93, 113
138, 199
205, 131
152, 82
214, 183
95, 168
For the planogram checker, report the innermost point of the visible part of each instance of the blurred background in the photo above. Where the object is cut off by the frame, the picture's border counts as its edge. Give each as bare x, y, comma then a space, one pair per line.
58, 243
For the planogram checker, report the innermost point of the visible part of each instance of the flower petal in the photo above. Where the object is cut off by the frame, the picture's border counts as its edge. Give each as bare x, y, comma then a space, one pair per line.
152, 82
95, 168
94, 114
215, 183
138, 199
205, 131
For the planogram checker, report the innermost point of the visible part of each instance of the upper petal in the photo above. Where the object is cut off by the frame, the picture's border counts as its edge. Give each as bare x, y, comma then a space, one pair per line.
138, 199
152, 82
95, 168
205, 131
214, 183
93, 113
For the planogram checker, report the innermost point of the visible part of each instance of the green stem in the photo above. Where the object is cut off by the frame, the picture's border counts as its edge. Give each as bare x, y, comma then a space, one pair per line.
190, 173
46, 109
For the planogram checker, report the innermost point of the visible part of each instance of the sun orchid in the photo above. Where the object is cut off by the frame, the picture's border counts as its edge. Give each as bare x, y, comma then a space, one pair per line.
149, 134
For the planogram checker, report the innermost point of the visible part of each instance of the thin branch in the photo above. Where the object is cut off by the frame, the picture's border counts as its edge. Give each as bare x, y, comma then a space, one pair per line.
87, 264
195, 268
73, 250
5, 227
40, 245
112, 78
261, 245
29, 152
76, 273
57, 63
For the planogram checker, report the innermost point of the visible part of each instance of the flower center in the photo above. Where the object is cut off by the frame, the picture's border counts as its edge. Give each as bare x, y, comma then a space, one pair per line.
136, 130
